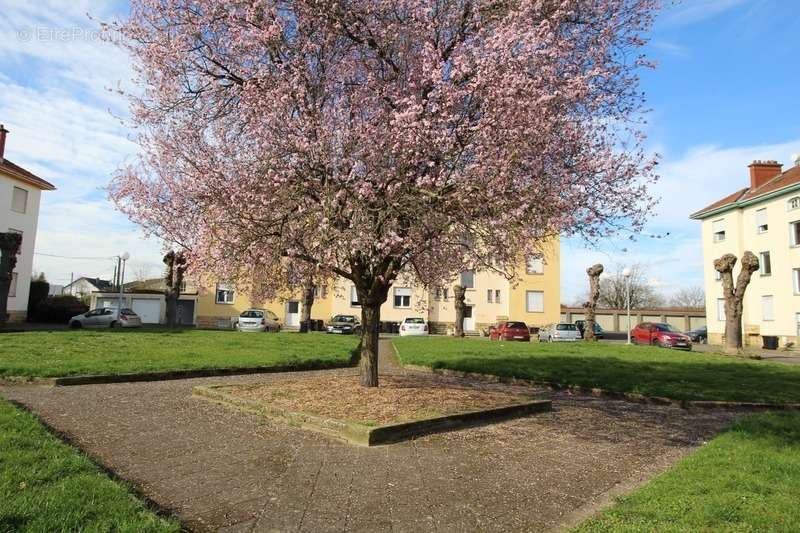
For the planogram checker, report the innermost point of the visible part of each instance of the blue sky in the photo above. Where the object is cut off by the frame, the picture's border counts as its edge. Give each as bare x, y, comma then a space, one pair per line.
724, 93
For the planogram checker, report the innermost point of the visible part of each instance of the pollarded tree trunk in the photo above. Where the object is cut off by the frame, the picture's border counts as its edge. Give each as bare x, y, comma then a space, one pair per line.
9, 248
308, 303
370, 330
734, 295
459, 294
590, 306
173, 278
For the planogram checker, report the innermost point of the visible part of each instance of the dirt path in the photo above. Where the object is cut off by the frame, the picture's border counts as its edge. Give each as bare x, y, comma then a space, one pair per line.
223, 469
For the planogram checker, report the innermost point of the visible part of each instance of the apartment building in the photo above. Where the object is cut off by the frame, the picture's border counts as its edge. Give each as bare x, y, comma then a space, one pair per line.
20, 193
533, 297
763, 218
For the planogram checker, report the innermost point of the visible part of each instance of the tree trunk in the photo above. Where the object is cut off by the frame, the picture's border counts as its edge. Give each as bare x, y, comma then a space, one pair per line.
172, 308
459, 295
590, 306
734, 296
370, 329
173, 279
308, 303
9, 248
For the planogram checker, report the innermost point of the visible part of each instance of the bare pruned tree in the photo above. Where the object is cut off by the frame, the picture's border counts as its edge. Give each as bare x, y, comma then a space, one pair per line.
734, 295
591, 304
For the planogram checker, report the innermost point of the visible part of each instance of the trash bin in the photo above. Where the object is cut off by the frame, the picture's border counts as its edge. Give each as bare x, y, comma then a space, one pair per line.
770, 342
304, 327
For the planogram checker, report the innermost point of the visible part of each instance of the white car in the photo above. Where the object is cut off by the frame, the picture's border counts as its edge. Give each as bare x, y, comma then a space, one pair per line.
563, 332
413, 326
258, 320
106, 317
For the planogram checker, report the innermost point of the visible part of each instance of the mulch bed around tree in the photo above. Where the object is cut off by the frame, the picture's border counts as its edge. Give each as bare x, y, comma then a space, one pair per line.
398, 399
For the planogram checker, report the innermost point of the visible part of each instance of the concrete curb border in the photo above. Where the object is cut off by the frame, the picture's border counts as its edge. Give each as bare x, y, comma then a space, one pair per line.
374, 435
169, 375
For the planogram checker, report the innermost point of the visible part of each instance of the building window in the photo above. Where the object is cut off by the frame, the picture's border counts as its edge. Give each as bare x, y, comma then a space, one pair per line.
441, 293
489, 295
402, 297
19, 200
718, 228
497, 296
534, 301
468, 279
534, 265
12, 290
794, 233
721, 309
761, 221
320, 292
793, 203
765, 265
767, 312
225, 293
796, 280
354, 297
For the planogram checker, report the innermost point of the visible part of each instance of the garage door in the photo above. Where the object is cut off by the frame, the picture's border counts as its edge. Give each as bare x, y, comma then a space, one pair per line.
148, 310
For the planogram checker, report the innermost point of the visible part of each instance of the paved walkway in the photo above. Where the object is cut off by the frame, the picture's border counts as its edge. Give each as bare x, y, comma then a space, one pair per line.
221, 469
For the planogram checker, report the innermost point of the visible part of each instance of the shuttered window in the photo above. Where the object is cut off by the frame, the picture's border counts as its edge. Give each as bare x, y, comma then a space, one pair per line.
767, 308
19, 200
534, 301
718, 228
761, 221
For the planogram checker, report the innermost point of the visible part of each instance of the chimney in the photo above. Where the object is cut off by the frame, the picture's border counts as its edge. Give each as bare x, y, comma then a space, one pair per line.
763, 171
3, 132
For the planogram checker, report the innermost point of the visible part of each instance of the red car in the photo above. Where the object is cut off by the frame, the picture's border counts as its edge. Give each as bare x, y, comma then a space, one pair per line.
510, 331
659, 334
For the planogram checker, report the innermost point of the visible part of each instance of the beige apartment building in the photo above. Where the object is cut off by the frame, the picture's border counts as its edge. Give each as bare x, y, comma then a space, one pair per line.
533, 297
765, 219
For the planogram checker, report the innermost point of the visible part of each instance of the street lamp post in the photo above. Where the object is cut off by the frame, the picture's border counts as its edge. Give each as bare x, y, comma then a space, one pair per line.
626, 273
121, 271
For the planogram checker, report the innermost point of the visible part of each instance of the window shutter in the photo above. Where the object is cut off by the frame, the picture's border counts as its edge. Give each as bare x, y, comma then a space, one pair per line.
402, 291
717, 226
535, 301
767, 308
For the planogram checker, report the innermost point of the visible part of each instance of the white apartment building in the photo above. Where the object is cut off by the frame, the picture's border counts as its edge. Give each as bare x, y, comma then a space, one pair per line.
763, 218
20, 192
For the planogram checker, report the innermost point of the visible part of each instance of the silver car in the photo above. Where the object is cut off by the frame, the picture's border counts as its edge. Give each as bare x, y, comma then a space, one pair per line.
106, 317
563, 332
258, 320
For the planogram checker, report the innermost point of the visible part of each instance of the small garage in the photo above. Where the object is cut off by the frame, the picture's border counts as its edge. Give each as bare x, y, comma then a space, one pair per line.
148, 309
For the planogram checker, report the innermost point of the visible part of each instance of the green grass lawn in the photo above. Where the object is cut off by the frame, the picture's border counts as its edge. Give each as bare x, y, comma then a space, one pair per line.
746, 479
46, 485
616, 367
81, 352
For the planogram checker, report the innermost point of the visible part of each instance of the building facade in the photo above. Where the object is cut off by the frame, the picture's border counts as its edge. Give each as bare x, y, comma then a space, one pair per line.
20, 194
763, 218
533, 298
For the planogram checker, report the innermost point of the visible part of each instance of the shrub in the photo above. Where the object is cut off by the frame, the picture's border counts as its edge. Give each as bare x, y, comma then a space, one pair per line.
58, 309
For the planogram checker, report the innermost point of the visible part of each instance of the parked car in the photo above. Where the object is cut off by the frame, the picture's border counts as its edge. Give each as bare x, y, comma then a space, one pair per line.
345, 325
581, 325
106, 317
258, 320
659, 334
413, 326
698, 335
562, 332
510, 331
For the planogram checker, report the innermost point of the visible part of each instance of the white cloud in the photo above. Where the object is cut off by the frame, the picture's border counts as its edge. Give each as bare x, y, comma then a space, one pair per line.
54, 99
693, 11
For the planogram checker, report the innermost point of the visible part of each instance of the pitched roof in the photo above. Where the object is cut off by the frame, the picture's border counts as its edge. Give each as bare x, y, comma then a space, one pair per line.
784, 179
100, 284
16, 171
